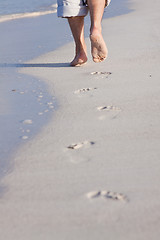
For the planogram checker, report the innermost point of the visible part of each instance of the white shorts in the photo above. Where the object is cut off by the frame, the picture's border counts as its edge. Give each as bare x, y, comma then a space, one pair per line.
73, 8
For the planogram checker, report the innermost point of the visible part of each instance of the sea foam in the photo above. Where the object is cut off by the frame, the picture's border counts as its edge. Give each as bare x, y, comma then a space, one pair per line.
10, 17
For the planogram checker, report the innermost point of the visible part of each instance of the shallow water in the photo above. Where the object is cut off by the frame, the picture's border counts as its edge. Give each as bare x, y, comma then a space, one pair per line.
23, 6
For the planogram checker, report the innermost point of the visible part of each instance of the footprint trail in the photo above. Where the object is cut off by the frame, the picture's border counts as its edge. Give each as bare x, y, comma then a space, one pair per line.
107, 195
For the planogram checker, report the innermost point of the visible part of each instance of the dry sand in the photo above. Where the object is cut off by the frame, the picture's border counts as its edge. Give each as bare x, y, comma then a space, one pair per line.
93, 171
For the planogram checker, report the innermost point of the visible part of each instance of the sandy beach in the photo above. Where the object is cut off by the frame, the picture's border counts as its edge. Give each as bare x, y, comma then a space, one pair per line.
92, 172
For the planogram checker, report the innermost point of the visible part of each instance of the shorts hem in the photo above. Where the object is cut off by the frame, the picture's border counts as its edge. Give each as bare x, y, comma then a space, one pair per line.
67, 11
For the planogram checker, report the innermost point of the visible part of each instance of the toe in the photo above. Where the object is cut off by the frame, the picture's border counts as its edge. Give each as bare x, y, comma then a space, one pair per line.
96, 60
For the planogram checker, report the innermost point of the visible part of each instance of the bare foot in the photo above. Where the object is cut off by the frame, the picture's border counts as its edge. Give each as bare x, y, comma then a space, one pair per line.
98, 46
79, 59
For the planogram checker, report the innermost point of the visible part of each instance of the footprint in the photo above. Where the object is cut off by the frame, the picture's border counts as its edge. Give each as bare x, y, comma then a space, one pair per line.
109, 108
24, 137
78, 152
93, 194
113, 195
84, 90
46, 110
27, 121
50, 104
106, 74
51, 107
107, 195
80, 145
40, 113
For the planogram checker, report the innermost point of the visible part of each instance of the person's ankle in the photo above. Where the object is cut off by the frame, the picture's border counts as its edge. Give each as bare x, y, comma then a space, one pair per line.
95, 29
81, 49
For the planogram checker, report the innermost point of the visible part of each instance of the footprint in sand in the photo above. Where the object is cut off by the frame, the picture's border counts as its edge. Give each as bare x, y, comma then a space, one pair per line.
27, 131
103, 74
24, 137
83, 90
107, 195
50, 105
77, 152
108, 108
27, 121
40, 113
80, 145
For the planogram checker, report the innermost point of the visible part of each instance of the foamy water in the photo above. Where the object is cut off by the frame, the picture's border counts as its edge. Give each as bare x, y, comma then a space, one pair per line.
10, 10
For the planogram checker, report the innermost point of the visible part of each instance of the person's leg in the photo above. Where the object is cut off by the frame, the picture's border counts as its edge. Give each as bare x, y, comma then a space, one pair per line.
77, 28
98, 46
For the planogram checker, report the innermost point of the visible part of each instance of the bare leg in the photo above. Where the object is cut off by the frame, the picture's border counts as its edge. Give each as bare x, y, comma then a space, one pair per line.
77, 28
98, 46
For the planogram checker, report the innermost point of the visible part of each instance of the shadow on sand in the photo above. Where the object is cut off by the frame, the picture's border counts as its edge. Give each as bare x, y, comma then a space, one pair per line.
38, 65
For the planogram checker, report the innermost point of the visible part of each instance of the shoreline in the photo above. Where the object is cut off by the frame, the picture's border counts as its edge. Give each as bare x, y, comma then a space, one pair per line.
15, 16
93, 170
18, 91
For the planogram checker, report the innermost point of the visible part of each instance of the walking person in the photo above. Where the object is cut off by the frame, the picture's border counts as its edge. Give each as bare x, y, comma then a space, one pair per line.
75, 11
